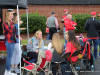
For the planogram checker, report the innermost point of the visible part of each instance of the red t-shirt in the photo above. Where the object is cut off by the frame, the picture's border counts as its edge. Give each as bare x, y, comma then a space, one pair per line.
71, 48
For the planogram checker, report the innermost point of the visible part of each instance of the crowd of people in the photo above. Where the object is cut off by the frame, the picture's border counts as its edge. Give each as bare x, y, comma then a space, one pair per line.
36, 43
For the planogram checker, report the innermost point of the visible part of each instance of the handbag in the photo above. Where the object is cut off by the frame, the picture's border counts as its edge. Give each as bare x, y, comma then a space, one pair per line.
47, 30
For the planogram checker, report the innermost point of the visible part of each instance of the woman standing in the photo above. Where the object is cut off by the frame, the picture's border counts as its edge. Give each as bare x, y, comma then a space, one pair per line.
9, 39
15, 58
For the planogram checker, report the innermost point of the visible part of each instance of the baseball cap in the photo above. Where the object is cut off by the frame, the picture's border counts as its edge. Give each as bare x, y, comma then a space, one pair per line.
99, 15
53, 13
65, 10
93, 13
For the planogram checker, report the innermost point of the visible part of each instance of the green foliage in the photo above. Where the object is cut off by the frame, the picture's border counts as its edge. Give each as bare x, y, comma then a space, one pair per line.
35, 22
81, 19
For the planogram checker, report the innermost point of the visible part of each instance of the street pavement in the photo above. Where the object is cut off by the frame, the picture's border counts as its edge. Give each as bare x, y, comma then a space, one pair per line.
84, 71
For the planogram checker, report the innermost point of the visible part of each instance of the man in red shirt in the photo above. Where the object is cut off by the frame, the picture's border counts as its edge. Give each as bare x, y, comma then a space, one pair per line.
69, 24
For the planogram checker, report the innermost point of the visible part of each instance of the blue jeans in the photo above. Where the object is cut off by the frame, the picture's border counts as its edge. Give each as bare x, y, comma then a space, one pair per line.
10, 49
64, 37
64, 67
47, 36
95, 42
99, 45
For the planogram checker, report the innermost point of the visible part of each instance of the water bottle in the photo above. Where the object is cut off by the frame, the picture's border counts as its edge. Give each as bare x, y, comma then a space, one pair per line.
2, 56
92, 68
77, 68
32, 39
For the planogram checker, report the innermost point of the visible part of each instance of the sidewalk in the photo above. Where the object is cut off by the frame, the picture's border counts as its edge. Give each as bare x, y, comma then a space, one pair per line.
96, 72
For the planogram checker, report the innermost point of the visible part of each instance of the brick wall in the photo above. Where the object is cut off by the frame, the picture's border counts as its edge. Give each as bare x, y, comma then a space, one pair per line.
47, 9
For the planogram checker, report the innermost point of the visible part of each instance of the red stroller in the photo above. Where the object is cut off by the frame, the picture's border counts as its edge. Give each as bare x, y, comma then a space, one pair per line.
88, 57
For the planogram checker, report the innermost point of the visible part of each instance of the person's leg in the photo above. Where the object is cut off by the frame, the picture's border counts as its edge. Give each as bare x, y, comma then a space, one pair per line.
90, 41
64, 32
54, 70
50, 33
10, 49
95, 41
13, 57
17, 54
65, 68
99, 45
64, 29
13, 60
33, 55
47, 36
17, 57
53, 31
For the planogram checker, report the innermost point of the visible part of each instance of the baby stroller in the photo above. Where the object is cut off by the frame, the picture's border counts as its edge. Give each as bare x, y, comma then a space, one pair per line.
88, 57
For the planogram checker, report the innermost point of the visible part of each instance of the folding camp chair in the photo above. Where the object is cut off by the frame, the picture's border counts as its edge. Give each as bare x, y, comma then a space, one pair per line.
64, 56
75, 53
40, 65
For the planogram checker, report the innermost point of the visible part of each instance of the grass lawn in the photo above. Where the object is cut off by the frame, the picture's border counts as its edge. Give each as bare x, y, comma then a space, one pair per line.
25, 41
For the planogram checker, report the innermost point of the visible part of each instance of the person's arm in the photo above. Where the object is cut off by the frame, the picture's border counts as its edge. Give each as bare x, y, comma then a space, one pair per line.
20, 22
68, 49
86, 26
68, 27
56, 23
71, 28
74, 23
7, 27
30, 45
16, 30
46, 23
98, 25
42, 46
62, 21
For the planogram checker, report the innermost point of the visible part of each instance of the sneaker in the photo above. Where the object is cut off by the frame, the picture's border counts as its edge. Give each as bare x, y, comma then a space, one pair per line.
5, 73
16, 70
9, 73
12, 69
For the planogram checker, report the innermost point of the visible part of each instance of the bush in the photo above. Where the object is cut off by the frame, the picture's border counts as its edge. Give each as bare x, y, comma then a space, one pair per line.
35, 22
81, 19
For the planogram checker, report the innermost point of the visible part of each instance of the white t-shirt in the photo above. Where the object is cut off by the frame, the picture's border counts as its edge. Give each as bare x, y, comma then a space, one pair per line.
49, 46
